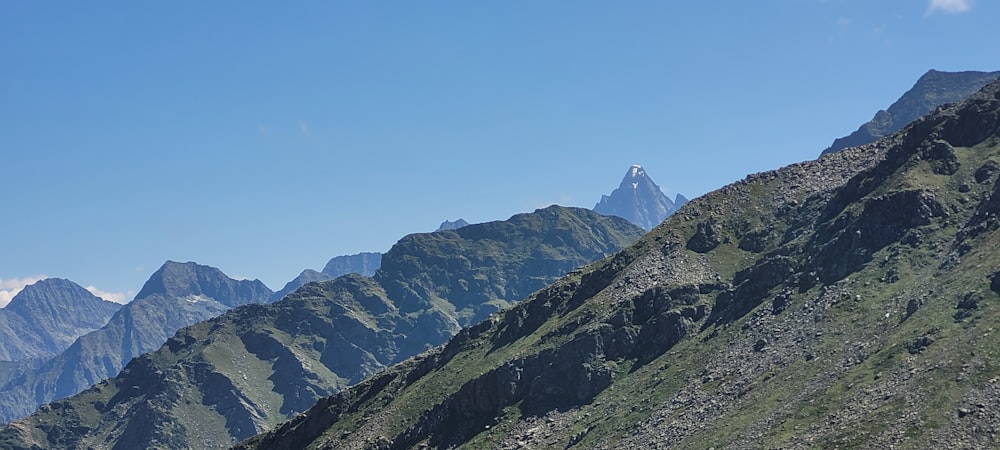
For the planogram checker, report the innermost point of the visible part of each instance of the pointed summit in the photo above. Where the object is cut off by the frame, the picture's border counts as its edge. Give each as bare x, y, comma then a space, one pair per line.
47, 316
638, 199
175, 296
177, 280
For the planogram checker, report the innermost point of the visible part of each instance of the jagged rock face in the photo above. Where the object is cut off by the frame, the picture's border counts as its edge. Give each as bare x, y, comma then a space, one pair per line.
362, 264
175, 296
46, 317
251, 368
933, 89
639, 200
452, 225
843, 302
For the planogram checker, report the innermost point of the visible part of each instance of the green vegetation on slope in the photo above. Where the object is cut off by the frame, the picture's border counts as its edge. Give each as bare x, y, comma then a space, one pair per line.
848, 302
256, 366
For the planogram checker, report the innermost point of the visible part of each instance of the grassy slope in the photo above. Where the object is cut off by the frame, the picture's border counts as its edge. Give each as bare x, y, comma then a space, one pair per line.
256, 366
847, 244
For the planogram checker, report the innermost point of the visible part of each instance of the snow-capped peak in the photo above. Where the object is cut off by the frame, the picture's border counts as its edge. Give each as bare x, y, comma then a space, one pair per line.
636, 170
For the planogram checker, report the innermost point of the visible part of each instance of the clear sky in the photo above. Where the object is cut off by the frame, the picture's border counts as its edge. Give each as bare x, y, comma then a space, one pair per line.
263, 138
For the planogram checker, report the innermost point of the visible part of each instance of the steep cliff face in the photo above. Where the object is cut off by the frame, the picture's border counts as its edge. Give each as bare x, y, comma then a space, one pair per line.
246, 371
843, 302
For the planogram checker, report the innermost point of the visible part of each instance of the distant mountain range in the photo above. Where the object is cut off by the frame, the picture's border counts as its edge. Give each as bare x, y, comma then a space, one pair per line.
362, 263
842, 302
175, 296
846, 302
933, 89
46, 317
639, 200
255, 366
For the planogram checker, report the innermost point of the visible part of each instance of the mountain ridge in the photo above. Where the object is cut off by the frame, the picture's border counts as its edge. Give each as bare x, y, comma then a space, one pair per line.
365, 263
933, 88
842, 302
255, 366
46, 316
176, 295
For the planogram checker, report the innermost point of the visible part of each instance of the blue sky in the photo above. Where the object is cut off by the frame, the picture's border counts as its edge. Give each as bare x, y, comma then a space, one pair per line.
264, 138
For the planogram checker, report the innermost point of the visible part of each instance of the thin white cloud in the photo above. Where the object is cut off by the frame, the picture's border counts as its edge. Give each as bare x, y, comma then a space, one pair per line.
949, 6
843, 24
117, 297
843, 27
10, 287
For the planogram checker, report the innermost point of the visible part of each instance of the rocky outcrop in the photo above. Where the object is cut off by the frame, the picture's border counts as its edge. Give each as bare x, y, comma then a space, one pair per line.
452, 225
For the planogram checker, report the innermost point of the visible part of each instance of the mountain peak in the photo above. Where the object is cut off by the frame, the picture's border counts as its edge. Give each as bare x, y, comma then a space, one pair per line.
46, 291
633, 177
175, 279
47, 316
846, 320
637, 199
934, 88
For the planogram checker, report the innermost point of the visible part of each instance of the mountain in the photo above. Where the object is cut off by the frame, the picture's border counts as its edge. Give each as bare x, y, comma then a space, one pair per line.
679, 201
847, 302
933, 89
175, 296
362, 263
307, 276
449, 225
256, 366
46, 317
639, 200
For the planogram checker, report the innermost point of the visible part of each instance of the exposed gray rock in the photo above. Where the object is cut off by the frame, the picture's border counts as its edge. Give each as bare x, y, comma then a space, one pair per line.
47, 316
639, 200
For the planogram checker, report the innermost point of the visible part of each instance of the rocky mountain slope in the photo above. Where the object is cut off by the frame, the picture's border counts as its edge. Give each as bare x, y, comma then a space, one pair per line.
177, 295
256, 366
847, 302
365, 263
46, 317
639, 200
933, 89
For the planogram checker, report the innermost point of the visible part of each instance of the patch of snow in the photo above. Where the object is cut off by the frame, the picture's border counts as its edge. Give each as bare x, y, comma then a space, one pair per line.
635, 169
197, 298
635, 185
